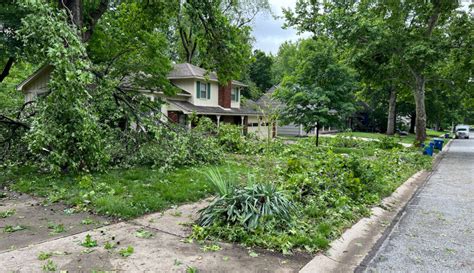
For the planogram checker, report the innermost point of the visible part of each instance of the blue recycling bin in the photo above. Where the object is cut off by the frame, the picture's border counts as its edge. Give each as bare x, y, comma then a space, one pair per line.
438, 143
428, 150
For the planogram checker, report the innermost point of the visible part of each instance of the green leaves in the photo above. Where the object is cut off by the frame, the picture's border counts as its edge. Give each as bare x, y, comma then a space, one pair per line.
320, 90
250, 207
89, 242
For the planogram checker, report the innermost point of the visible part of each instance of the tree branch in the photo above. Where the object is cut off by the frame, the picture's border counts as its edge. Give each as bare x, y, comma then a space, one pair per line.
6, 69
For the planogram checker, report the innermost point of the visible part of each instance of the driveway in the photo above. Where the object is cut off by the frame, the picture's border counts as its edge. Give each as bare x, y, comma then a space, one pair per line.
436, 232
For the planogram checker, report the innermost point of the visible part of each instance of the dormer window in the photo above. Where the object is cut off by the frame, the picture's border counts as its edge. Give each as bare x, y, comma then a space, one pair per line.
235, 94
203, 90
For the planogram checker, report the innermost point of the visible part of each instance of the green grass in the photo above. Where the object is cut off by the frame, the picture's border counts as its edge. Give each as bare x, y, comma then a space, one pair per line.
121, 193
410, 139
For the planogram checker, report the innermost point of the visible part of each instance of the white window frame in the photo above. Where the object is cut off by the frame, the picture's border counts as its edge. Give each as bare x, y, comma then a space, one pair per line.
235, 94
203, 90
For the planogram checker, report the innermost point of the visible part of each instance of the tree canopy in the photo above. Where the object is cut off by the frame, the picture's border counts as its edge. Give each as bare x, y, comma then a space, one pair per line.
412, 37
320, 90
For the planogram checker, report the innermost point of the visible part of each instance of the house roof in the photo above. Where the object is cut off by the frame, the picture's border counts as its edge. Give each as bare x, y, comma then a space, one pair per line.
213, 110
268, 102
36, 74
189, 71
180, 71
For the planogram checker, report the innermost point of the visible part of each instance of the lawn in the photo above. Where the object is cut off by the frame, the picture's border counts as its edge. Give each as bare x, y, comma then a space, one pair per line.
326, 188
124, 193
410, 139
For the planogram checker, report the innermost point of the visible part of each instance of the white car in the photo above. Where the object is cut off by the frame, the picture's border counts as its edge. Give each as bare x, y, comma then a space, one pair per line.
462, 131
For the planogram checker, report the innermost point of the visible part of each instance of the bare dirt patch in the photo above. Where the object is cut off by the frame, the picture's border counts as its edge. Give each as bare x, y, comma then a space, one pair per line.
31, 222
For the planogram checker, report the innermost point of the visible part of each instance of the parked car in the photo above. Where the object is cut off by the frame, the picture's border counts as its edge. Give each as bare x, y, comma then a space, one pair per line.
462, 131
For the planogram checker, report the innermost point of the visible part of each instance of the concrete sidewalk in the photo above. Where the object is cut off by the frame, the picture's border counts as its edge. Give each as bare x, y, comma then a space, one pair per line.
159, 243
436, 232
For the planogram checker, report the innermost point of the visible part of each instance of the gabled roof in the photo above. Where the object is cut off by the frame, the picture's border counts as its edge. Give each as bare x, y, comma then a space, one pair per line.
180, 71
189, 71
268, 102
36, 74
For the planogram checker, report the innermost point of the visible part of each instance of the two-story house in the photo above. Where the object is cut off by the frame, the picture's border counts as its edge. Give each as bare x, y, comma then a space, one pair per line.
199, 94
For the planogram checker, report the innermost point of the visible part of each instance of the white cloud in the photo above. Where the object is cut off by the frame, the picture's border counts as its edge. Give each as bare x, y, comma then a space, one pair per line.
268, 31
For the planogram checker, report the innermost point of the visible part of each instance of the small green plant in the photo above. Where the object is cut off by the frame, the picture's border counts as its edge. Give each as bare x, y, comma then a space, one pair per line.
88, 242
44, 255
176, 213
50, 266
56, 229
87, 221
177, 262
10, 229
126, 252
7, 213
108, 245
211, 248
142, 233
191, 269
253, 254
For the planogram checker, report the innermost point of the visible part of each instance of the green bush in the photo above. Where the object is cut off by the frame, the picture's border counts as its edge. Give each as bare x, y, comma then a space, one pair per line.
250, 206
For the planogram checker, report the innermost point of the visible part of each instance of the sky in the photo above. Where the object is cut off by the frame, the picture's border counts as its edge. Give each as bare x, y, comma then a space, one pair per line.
268, 31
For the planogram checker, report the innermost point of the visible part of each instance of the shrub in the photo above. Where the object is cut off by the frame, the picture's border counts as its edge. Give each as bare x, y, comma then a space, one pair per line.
230, 138
250, 206
388, 143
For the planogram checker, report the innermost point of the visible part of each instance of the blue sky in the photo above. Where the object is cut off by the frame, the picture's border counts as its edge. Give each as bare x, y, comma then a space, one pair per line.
268, 31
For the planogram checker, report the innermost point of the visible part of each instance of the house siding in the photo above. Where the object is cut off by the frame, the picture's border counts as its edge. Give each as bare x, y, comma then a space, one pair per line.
37, 86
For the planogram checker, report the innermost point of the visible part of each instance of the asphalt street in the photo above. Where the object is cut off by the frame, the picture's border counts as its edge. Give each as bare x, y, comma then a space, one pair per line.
436, 232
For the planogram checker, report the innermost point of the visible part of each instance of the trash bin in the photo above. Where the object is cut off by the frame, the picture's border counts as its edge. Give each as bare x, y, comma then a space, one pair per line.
438, 143
428, 150
446, 135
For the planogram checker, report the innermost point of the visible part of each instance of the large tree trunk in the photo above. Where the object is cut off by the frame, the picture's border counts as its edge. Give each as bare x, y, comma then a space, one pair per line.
420, 122
392, 104
74, 10
412, 123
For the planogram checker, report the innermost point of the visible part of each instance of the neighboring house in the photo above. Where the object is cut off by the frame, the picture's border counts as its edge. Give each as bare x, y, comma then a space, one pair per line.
269, 105
200, 94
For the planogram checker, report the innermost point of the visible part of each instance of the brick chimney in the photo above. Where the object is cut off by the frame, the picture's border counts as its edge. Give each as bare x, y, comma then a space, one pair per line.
225, 94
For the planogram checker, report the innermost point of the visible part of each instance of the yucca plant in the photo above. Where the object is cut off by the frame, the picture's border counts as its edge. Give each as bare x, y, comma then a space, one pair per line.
224, 186
249, 206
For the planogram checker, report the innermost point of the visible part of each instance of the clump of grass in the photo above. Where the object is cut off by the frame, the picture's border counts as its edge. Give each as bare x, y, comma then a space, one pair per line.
56, 228
126, 252
7, 213
89, 242
11, 229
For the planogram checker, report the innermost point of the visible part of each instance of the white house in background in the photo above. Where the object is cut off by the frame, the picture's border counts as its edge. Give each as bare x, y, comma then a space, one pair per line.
199, 94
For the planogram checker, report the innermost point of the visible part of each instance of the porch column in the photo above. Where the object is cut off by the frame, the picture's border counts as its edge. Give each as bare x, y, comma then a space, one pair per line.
188, 122
301, 130
242, 123
218, 121
276, 128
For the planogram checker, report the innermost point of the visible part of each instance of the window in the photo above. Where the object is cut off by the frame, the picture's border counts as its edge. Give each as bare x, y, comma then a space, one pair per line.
235, 94
203, 90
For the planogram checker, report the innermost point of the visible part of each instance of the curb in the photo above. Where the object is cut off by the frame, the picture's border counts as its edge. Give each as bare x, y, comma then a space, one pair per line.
358, 245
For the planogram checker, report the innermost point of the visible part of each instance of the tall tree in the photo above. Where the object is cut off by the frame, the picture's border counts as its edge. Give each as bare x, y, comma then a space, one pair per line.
285, 61
260, 70
215, 34
417, 32
321, 89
